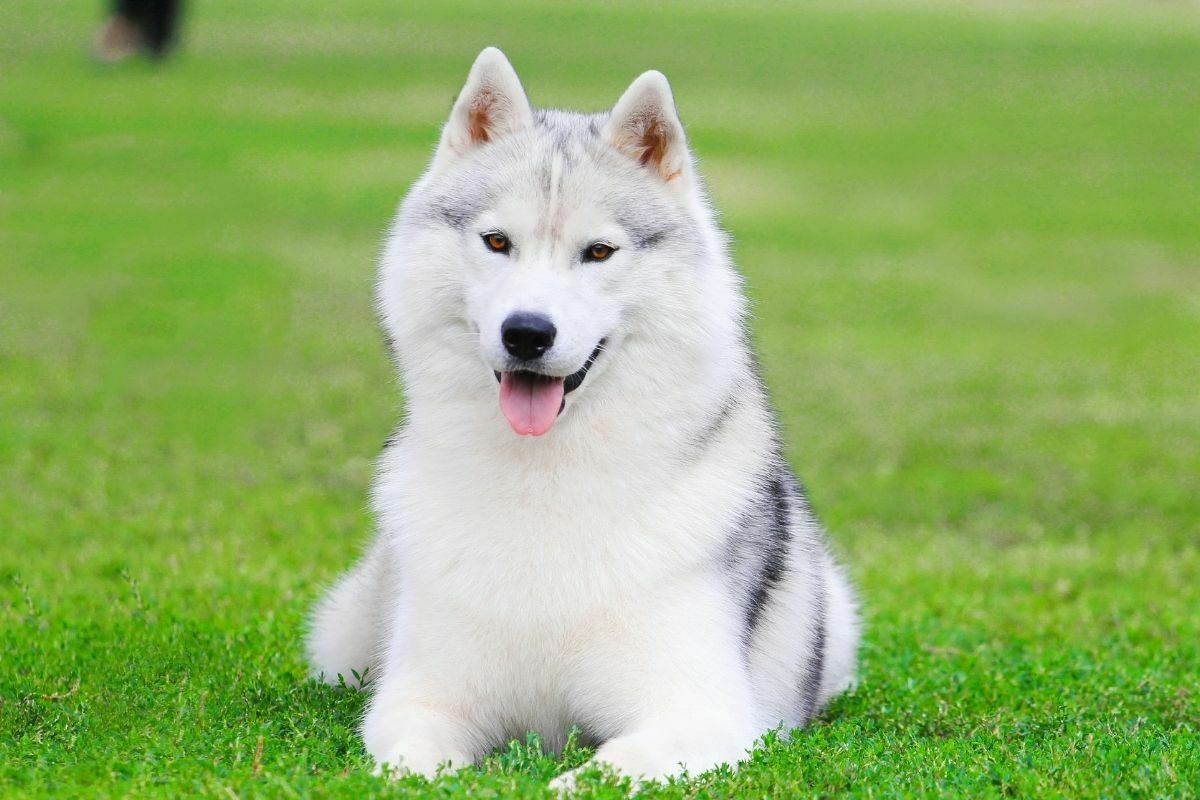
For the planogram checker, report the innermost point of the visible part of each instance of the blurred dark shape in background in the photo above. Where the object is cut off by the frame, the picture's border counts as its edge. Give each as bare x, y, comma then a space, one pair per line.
148, 27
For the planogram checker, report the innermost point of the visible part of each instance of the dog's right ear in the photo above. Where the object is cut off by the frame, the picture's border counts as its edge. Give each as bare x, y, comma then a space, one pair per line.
492, 104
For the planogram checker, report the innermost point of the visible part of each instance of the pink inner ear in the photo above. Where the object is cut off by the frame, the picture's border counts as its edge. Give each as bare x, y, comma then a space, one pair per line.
646, 140
653, 144
479, 117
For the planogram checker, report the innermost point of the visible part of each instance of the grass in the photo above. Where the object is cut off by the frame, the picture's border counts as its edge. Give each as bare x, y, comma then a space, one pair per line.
973, 240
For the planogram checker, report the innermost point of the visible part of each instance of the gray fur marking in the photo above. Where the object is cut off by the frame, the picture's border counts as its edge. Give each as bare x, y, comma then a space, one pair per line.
815, 668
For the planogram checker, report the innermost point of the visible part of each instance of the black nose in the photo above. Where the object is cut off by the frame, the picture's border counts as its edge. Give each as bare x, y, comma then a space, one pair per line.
527, 335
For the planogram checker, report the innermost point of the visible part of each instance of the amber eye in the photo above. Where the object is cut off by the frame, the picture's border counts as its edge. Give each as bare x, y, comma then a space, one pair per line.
598, 251
497, 242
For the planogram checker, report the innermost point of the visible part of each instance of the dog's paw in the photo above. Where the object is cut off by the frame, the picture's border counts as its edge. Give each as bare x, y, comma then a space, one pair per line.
648, 757
565, 783
411, 757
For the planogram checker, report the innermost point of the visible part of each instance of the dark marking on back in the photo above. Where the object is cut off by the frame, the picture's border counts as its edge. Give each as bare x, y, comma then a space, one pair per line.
774, 562
814, 670
389, 342
715, 425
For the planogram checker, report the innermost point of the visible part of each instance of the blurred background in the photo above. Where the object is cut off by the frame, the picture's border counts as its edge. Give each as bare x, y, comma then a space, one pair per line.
971, 233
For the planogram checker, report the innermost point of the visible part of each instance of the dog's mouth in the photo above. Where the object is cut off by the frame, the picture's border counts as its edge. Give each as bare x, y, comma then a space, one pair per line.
531, 401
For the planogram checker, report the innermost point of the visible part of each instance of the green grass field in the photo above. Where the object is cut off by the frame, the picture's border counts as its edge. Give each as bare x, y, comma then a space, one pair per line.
973, 241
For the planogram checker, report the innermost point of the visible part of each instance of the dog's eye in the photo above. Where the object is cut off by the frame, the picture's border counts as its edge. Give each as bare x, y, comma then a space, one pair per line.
598, 251
497, 242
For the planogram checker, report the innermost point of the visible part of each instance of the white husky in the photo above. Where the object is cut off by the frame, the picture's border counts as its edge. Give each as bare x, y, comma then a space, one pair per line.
617, 544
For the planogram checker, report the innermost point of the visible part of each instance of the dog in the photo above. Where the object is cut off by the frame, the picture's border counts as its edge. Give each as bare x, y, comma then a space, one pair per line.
586, 519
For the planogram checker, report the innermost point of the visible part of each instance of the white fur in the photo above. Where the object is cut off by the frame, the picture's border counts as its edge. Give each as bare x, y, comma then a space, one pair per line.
601, 575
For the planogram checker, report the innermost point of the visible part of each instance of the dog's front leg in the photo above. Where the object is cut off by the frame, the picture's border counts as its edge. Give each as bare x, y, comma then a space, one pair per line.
669, 682
661, 748
408, 728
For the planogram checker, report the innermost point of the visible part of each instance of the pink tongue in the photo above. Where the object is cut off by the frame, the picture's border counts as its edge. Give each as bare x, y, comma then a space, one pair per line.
531, 404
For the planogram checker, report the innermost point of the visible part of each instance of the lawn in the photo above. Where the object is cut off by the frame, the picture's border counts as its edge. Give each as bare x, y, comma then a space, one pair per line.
972, 236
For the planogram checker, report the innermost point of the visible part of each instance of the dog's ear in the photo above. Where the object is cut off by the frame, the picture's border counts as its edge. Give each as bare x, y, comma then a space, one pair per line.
490, 105
645, 126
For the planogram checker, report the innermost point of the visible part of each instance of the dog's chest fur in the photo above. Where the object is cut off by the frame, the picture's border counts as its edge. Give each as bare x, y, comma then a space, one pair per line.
516, 545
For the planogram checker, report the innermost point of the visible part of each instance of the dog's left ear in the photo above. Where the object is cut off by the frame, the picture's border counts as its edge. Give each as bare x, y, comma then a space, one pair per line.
645, 126
491, 104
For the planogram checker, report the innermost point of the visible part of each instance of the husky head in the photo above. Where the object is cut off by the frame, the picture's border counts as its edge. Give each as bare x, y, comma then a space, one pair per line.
546, 253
